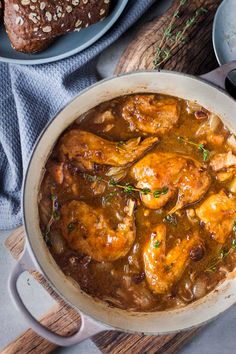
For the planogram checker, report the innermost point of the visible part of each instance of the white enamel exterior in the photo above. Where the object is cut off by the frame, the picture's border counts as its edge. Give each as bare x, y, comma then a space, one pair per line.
170, 83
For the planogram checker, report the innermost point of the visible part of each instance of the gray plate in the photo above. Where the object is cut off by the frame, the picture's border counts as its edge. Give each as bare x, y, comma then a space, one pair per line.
224, 34
65, 46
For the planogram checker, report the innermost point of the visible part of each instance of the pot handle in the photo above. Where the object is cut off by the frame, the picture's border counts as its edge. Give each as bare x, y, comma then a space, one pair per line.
88, 327
219, 75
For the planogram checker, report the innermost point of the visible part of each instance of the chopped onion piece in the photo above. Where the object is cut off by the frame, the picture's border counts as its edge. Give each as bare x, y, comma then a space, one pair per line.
98, 187
193, 106
224, 176
108, 128
106, 116
186, 295
214, 122
231, 141
118, 173
58, 243
209, 126
232, 186
203, 129
199, 288
191, 215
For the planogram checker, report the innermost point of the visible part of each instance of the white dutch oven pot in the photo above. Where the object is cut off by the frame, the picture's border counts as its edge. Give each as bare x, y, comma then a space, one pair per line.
97, 316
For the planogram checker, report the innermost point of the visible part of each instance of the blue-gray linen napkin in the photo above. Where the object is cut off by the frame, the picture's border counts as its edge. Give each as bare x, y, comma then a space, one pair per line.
31, 95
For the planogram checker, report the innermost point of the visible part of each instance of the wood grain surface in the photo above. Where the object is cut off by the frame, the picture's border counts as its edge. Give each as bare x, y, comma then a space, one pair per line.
194, 56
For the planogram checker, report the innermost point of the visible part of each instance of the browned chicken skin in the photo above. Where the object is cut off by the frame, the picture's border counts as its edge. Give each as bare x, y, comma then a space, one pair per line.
149, 115
164, 270
178, 173
218, 213
88, 149
86, 230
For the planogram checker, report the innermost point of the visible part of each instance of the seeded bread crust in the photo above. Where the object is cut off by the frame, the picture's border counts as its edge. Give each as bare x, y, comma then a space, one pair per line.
33, 24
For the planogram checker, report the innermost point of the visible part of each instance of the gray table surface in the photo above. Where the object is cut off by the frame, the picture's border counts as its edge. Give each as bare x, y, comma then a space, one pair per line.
218, 337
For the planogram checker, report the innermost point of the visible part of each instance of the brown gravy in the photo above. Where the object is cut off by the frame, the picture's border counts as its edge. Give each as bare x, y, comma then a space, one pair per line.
123, 282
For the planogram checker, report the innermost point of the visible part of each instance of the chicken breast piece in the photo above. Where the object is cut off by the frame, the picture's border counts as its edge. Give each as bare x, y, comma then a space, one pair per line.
218, 213
88, 148
86, 230
180, 175
164, 270
150, 115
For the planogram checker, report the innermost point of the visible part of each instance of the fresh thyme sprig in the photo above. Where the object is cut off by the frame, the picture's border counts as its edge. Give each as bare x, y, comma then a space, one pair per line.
54, 217
157, 244
172, 36
119, 145
234, 227
201, 147
224, 252
128, 187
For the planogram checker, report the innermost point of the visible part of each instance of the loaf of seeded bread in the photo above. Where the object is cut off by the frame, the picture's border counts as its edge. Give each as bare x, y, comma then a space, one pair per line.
33, 24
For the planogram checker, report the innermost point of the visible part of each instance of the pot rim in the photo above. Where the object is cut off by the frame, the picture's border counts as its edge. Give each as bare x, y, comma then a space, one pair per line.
29, 244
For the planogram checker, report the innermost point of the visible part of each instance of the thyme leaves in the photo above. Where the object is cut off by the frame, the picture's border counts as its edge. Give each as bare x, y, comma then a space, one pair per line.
128, 188
55, 216
224, 252
200, 147
174, 36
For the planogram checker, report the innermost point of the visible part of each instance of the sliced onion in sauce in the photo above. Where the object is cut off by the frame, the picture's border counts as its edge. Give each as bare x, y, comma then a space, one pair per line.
200, 288
118, 173
193, 106
136, 248
57, 241
113, 301
191, 214
98, 187
214, 122
106, 116
231, 142
232, 186
142, 297
127, 281
185, 292
45, 210
210, 125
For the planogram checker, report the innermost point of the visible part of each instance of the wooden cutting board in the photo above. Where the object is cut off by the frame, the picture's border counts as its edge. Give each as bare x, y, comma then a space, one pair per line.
195, 55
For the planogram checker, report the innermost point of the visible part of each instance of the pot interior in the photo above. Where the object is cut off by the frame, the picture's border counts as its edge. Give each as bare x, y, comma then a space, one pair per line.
170, 83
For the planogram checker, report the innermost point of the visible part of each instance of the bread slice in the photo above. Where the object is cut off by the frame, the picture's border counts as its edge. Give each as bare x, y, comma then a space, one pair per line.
33, 24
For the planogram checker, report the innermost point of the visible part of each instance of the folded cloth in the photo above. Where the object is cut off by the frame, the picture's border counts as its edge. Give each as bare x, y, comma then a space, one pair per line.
31, 95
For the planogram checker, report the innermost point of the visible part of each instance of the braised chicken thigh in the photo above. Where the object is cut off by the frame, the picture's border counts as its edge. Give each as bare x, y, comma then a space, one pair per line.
88, 149
164, 270
218, 213
88, 231
151, 115
138, 202
182, 175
